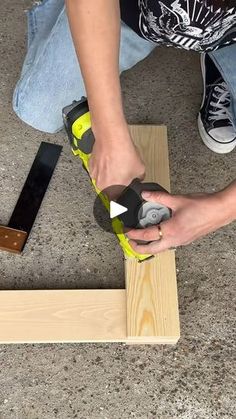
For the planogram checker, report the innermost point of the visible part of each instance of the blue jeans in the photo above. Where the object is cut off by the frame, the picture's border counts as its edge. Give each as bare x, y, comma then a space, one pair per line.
51, 77
225, 60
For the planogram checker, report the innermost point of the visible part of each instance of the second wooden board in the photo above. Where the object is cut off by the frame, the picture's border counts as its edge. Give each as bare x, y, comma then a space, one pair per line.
152, 303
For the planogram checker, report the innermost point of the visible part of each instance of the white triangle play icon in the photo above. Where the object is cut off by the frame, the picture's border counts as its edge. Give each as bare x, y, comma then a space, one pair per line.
116, 209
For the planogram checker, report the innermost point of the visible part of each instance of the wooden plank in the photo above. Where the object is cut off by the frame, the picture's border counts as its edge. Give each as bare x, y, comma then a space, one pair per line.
63, 316
100, 315
152, 302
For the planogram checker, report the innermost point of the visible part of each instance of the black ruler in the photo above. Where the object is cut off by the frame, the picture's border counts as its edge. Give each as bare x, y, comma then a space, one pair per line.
31, 196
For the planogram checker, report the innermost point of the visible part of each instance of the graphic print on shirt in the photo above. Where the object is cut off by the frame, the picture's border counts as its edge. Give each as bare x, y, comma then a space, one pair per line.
189, 24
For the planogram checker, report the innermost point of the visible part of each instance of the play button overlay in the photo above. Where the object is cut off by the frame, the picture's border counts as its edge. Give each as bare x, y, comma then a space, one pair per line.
105, 217
116, 209
125, 206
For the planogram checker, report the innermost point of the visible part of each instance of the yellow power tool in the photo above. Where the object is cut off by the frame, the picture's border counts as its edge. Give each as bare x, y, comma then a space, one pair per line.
140, 213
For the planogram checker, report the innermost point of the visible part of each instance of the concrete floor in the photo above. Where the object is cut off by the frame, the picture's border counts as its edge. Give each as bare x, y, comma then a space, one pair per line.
68, 250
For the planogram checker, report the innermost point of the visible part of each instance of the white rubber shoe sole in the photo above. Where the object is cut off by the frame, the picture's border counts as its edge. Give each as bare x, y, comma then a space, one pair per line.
213, 145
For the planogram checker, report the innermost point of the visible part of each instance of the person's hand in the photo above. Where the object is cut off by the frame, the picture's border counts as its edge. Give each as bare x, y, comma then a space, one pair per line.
115, 161
193, 216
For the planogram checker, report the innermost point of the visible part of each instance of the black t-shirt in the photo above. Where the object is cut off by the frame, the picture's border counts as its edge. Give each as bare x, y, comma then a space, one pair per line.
188, 24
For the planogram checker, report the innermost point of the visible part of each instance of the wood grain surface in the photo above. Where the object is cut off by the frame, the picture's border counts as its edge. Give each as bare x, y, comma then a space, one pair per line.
62, 316
146, 312
12, 240
152, 302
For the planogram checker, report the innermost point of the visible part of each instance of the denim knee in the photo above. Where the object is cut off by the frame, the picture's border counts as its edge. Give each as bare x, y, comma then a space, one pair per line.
40, 108
35, 113
51, 81
53, 78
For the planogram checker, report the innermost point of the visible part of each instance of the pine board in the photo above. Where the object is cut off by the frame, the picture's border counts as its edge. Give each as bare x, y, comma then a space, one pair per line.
145, 312
62, 316
152, 302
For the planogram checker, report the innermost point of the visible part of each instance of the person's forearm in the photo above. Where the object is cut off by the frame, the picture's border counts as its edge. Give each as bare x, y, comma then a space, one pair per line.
95, 28
228, 200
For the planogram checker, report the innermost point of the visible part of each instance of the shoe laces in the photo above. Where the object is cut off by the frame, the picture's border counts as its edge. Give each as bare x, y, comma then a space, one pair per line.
220, 103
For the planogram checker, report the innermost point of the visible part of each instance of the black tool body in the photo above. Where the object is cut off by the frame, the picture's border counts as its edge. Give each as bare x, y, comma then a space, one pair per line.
141, 213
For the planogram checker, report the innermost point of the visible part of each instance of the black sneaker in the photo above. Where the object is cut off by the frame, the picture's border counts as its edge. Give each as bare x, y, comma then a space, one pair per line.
215, 121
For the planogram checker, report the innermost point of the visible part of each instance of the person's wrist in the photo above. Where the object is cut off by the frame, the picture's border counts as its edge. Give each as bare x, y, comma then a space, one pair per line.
225, 207
109, 131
